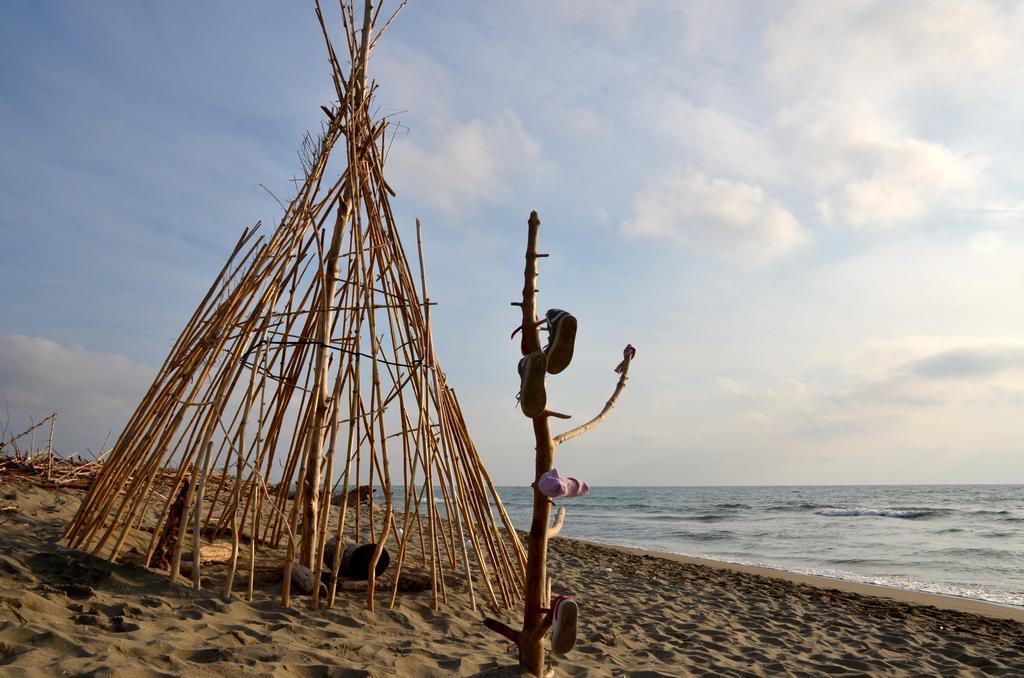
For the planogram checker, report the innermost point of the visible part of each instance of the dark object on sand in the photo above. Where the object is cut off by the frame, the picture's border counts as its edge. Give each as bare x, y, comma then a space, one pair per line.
303, 580
414, 581
355, 559
359, 495
165, 546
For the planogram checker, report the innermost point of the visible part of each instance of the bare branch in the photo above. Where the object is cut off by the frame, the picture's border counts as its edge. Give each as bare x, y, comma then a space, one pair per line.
33, 427
580, 430
503, 629
559, 522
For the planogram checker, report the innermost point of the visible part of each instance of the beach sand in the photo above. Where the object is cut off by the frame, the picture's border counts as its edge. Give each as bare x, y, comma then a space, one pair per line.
67, 613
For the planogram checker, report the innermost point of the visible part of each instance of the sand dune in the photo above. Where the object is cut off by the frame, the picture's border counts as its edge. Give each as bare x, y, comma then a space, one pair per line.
64, 612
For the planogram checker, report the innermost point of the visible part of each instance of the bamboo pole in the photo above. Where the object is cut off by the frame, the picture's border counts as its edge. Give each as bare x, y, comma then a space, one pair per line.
197, 513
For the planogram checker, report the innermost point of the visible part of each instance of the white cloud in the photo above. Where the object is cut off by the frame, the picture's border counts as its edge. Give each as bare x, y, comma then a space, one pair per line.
587, 122
901, 393
610, 17
412, 80
734, 388
869, 108
917, 409
93, 392
869, 173
911, 178
936, 370
733, 219
707, 22
857, 83
987, 242
454, 153
465, 164
884, 51
723, 143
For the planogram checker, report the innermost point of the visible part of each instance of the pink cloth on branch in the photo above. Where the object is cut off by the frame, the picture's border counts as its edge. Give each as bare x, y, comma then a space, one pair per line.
628, 354
553, 485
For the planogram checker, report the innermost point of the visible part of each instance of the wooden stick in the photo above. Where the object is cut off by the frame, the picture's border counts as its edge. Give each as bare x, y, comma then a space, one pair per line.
49, 449
603, 414
559, 522
200, 470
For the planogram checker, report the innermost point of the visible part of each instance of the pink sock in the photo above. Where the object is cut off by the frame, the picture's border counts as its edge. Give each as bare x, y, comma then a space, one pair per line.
553, 485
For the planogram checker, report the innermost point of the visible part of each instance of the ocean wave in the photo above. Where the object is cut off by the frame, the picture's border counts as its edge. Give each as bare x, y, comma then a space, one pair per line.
908, 514
793, 507
710, 535
856, 561
949, 530
701, 518
731, 506
974, 552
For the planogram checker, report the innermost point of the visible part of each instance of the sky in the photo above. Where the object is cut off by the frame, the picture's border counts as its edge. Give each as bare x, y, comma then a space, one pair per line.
808, 217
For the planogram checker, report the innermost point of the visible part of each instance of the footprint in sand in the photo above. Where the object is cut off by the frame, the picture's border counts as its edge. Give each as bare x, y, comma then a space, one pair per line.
193, 613
152, 602
76, 591
89, 615
120, 625
86, 619
210, 655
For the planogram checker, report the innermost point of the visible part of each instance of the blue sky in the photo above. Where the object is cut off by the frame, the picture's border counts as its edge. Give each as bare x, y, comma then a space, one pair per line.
806, 216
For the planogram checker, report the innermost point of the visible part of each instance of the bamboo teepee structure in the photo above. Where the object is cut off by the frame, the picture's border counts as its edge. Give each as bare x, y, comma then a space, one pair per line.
308, 370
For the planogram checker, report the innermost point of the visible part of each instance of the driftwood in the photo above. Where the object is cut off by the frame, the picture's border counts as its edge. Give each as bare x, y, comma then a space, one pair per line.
46, 470
168, 540
359, 495
303, 580
211, 554
12, 441
414, 581
355, 559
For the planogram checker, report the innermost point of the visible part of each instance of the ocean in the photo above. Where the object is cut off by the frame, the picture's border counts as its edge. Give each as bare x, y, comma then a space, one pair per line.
962, 540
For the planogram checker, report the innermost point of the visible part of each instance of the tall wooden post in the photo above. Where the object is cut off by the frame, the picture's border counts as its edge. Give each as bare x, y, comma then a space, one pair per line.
537, 617
531, 652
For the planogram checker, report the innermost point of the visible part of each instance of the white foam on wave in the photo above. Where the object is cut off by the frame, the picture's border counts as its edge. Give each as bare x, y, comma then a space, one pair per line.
882, 513
968, 591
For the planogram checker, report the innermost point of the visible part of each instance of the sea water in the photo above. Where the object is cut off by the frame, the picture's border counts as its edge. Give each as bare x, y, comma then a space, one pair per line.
965, 541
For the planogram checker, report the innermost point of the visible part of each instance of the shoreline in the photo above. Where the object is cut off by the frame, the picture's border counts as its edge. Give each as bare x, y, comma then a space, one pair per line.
941, 601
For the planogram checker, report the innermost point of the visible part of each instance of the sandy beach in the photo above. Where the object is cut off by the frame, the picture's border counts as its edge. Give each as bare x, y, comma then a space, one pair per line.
68, 613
